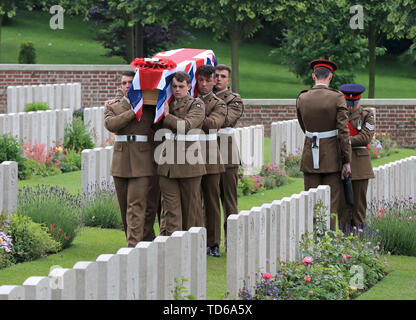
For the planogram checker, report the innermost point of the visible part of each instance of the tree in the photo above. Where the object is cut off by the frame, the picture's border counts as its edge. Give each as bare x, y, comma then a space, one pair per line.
320, 29
113, 31
233, 20
130, 16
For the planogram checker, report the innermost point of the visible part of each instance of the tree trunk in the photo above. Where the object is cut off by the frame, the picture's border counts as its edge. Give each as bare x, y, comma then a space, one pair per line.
138, 40
372, 43
1, 21
235, 40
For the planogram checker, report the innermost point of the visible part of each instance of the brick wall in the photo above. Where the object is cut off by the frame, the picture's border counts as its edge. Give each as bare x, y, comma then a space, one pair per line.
398, 120
99, 82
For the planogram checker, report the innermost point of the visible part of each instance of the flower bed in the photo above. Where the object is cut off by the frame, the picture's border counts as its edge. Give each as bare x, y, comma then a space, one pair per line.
333, 267
392, 226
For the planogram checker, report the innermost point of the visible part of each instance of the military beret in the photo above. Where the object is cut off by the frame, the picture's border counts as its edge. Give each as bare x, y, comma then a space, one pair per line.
323, 63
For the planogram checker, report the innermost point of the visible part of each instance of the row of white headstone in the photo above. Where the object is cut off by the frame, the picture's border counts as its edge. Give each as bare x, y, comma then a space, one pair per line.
287, 138
395, 180
37, 127
96, 163
8, 187
94, 120
146, 272
256, 239
250, 143
57, 96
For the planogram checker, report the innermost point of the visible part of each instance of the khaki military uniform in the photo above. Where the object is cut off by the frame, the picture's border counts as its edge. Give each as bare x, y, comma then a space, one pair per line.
181, 167
132, 165
322, 109
215, 111
362, 122
230, 155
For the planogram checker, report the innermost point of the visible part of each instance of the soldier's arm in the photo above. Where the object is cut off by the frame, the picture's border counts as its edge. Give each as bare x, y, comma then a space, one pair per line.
118, 115
366, 133
343, 131
299, 116
234, 111
216, 118
193, 118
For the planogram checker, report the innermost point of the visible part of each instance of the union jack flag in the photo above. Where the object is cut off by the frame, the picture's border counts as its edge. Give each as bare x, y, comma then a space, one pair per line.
188, 60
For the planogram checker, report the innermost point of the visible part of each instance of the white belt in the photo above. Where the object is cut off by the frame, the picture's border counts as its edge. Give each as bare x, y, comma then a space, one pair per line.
360, 147
182, 137
134, 138
316, 136
208, 137
227, 130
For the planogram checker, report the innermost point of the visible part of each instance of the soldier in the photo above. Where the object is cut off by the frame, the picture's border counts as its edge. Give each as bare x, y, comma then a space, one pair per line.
322, 115
215, 112
235, 108
180, 179
132, 165
361, 125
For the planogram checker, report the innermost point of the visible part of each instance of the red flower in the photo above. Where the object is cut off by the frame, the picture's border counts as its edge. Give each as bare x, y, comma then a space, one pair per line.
307, 279
267, 276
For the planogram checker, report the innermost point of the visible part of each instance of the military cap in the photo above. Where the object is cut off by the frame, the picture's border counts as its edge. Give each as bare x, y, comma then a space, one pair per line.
323, 63
352, 92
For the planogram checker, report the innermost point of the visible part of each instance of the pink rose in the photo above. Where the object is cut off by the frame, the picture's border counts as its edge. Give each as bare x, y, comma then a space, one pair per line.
307, 260
307, 279
267, 276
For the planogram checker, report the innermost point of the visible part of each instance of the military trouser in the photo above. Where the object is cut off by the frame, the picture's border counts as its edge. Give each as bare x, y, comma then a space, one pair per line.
313, 180
132, 199
228, 192
153, 209
211, 194
182, 207
359, 209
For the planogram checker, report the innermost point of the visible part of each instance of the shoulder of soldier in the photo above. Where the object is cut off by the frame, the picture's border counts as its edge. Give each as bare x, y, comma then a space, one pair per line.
302, 92
367, 113
196, 102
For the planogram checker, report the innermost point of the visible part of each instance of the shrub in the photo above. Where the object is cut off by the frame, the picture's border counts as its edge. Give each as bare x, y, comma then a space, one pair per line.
55, 208
27, 53
391, 226
77, 136
40, 162
277, 176
71, 161
382, 145
11, 150
101, 210
292, 165
30, 240
36, 106
78, 113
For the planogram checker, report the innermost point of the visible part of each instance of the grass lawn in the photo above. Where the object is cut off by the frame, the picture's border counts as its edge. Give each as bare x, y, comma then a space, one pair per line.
75, 45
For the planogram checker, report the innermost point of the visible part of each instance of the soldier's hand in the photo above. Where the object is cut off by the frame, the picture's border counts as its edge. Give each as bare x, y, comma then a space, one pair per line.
346, 170
166, 108
108, 102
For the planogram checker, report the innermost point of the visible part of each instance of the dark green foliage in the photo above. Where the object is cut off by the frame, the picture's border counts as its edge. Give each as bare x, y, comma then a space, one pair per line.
77, 136
37, 106
27, 53
11, 150
30, 240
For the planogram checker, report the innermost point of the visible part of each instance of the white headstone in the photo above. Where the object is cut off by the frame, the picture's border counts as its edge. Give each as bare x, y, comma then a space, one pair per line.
86, 280
198, 262
147, 265
62, 283
8, 292
271, 237
129, 273
182, 266
108, 277
37, 288
165, 270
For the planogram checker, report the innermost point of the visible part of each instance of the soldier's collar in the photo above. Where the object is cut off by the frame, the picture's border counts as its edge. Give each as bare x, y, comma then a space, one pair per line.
320, 84
203, 96
222, 91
